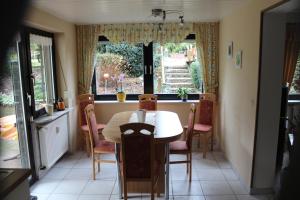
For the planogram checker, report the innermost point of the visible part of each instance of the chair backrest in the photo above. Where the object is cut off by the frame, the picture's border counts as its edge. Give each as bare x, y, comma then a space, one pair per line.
137, 151
206, 112
148, 101
207, 96
84, 100
92, 125
190, 128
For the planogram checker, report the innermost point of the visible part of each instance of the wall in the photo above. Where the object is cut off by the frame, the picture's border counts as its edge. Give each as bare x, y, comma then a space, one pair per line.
65, 43
238, 87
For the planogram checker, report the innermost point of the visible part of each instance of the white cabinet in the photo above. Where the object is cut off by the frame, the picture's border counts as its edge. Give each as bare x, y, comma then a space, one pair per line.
53, 140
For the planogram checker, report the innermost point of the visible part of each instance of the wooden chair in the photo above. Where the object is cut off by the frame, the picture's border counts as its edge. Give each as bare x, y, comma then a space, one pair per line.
148, 101
204, 127
185, 147
97, 145
84, 100
138, 155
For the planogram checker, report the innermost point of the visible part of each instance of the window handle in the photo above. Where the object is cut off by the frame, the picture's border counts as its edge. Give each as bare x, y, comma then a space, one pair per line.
32, 77
150, 69
29, 99
145, 69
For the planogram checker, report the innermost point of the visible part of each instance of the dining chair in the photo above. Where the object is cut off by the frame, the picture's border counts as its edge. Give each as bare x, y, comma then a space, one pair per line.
148, 101
84, 100
98, 146
138, 155
204, 126
185, 146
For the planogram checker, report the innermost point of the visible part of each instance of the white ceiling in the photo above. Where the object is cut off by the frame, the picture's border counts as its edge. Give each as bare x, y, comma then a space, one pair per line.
127, 11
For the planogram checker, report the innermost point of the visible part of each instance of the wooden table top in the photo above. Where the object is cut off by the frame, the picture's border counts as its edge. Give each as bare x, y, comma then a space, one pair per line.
167, 125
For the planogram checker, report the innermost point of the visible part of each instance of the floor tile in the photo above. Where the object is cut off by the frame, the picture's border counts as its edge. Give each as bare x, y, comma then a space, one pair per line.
45, 186
40, 196
79, 174
70, 187
180, 174
237, 187
84, 162
230, 175
148, 197
56, 173
62, 197
99, 187
136, 197
65, 163
94, 197
216, 188
210, 174
106, 174
186, 188
254, 197
220, 197
205, 164
189, 197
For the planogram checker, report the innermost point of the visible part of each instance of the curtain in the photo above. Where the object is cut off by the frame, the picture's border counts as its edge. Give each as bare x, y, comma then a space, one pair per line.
146, 32
207, 42
292, 46
86, 39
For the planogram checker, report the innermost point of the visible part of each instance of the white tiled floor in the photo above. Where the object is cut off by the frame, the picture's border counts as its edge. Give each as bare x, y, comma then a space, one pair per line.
212, 179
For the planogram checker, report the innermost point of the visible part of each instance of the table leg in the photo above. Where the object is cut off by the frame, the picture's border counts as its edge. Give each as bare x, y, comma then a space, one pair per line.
167, 172
117, 152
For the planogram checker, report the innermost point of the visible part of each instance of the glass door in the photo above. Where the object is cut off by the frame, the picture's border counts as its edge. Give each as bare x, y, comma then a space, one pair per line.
13, 125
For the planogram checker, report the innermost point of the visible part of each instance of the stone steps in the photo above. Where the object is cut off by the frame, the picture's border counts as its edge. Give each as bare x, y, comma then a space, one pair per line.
179, 80
179, 75
167, 71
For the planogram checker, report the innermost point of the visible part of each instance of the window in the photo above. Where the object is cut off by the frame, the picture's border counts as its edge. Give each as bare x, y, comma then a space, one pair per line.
156, 68
42, 70
295, 86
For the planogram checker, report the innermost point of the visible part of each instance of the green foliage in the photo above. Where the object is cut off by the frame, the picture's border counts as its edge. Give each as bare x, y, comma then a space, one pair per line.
182, 92
176, 48
132, 54
6, 99
195, 73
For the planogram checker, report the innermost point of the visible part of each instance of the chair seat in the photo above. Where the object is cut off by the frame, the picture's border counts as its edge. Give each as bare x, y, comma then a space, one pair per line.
201, 128
104, 146
85, 128
178, 146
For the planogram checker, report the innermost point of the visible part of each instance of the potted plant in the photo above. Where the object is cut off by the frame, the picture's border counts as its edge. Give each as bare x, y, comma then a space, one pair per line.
182, 92
121, 95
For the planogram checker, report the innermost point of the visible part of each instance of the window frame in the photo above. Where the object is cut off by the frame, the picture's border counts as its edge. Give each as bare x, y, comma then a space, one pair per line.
26, 38
148, 78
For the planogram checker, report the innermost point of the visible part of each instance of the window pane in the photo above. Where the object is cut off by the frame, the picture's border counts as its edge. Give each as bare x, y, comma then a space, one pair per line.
295, 87
42, 71
175, 66
115, 60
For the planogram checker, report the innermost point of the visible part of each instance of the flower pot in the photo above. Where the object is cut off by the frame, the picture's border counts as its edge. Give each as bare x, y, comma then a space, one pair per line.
184, 98
121, 96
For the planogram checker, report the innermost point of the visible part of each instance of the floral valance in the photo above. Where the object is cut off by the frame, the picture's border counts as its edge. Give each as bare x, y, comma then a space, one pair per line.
146, 32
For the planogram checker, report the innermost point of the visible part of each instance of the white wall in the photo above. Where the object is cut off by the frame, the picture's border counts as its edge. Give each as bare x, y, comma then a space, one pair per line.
238, 87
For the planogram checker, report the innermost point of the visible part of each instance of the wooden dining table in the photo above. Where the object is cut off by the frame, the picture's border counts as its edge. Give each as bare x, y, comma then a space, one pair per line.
168, 128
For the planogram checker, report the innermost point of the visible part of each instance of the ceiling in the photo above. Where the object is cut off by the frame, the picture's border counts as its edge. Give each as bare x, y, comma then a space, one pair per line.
133, 11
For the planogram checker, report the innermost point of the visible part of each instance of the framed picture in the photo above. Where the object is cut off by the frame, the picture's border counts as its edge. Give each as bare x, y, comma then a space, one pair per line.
230, 50
239, 59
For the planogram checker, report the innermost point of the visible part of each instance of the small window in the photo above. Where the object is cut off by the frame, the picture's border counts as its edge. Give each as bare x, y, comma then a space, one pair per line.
295, 86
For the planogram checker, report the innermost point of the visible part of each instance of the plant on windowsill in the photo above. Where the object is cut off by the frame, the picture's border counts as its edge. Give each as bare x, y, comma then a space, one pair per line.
183, 92
121, 95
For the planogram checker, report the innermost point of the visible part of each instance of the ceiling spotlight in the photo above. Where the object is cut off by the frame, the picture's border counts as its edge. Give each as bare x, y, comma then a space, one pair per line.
181, 23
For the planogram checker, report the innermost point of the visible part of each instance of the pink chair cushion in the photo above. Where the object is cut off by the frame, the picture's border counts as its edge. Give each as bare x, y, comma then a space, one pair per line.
206, 112
85, 128
94, 130
201, 127
178, 145
104, 147
147, 105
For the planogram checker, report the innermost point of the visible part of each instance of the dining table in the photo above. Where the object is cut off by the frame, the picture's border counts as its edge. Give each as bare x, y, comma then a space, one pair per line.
168, 128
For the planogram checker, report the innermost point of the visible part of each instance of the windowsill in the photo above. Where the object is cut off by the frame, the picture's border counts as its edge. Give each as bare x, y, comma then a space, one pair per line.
159, 102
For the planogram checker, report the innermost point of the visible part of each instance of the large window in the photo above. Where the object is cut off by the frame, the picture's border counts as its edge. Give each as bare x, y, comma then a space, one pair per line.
156, 68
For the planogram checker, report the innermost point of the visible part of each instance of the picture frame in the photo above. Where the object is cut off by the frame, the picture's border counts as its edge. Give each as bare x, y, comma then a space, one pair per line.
239, 59
230, 50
